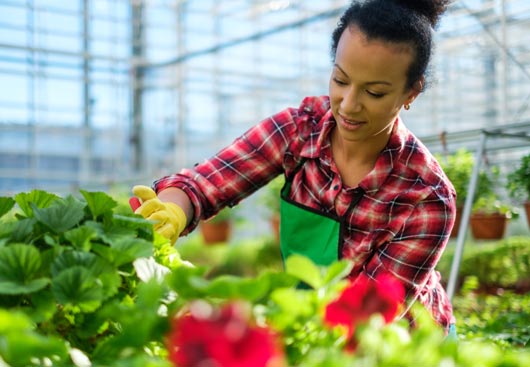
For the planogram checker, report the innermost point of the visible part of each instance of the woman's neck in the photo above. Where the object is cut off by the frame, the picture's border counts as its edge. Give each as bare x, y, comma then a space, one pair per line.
358, 152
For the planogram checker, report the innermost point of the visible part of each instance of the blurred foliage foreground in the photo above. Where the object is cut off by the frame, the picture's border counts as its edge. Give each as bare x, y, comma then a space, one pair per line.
85, 282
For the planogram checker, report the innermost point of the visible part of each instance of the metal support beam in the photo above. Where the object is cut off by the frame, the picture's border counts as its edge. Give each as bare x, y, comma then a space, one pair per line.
137, 141
455, 266
86, 150
332, 13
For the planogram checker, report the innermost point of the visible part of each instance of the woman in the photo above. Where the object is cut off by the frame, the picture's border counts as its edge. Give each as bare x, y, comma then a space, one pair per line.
359, 184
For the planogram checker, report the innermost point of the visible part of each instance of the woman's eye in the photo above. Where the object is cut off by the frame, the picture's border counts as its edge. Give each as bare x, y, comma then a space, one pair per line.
339, 82
375, 95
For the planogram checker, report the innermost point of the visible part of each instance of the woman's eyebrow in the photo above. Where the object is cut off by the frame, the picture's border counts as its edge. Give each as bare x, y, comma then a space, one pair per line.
368, 83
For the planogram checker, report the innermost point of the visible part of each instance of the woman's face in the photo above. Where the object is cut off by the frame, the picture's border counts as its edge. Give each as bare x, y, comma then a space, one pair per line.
368, 86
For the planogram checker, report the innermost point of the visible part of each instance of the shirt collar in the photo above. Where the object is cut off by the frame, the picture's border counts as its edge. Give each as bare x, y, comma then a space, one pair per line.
318, 140
319, 137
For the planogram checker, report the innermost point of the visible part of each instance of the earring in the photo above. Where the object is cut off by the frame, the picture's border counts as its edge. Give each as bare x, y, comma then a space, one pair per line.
406, 106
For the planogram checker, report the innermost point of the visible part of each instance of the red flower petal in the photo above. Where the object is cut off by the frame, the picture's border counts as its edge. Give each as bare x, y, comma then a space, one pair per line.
363, 298
222, 339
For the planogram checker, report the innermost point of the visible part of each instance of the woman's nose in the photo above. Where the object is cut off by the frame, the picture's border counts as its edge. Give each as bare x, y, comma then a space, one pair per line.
351, 102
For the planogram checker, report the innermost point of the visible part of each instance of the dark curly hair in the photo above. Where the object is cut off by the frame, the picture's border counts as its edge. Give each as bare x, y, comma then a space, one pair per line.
396, 21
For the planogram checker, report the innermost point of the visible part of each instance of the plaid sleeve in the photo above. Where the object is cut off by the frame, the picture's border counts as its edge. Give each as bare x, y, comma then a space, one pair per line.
238, 170
413, 253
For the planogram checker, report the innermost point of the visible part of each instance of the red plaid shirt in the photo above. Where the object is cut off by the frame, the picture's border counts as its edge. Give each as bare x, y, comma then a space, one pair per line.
401, 225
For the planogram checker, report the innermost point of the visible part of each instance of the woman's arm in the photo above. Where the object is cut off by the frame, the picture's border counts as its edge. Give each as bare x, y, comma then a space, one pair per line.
179, 197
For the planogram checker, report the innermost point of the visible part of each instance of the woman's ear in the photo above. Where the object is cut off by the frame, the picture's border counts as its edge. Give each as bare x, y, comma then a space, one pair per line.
416, 89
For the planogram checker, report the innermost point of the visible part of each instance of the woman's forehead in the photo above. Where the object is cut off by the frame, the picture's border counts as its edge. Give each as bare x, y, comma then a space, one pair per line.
356, 52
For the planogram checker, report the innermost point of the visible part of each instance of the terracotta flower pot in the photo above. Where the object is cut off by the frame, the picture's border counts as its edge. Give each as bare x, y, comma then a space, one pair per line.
488, 226
215, 232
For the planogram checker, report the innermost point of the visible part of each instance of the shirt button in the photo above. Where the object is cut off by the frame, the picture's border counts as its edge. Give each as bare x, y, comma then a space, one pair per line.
336, 187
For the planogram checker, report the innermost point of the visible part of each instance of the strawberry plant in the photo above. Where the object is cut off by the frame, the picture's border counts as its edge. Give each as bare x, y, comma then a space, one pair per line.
72, 268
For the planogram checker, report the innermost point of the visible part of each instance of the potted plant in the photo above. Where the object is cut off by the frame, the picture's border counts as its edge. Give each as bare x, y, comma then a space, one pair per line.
218, 228
458, 167
518, 184
490, 213
489, 217
270, 199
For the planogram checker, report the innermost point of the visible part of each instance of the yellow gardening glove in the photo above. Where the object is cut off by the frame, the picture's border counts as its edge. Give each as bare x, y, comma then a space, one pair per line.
169, 218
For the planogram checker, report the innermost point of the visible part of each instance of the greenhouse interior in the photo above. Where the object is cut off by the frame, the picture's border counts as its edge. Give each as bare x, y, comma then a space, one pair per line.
99, 96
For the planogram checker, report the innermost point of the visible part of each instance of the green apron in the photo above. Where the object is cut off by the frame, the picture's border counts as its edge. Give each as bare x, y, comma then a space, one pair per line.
309, 232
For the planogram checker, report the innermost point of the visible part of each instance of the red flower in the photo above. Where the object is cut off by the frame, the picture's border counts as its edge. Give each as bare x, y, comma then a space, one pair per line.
206, 337
363, 298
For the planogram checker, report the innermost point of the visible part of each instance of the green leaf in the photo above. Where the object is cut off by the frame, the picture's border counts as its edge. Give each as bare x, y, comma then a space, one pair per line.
19, 266
337, 271
18, 231
125, 250
6, 204
140, 323
188, 282
13, 322
230, 287
136, 224
293, 305
279, 279
6, 228
133, 221
68, 259
111, 282
99, 203
62, 215
110, 232
293, 302
39, 198
77, 287
10, 287
43, 306
20, 349
304, 269
142, 360
80, 237
97, 268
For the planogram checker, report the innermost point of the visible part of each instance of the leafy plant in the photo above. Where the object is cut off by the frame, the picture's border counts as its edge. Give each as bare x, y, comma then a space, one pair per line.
492, 205
83, 286
500, 318
72, 268
488, 198
518, 183
459, 166
501, 264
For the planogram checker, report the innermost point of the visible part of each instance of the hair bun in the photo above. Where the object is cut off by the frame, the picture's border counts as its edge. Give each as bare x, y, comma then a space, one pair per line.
432, 9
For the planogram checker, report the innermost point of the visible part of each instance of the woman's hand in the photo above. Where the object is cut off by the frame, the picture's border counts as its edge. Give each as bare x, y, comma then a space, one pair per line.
170, 220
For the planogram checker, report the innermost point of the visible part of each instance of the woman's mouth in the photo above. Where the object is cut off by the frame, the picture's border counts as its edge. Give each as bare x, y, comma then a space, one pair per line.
350, 124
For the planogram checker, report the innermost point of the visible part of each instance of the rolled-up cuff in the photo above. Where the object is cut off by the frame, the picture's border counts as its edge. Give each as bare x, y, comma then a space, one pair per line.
196, 204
